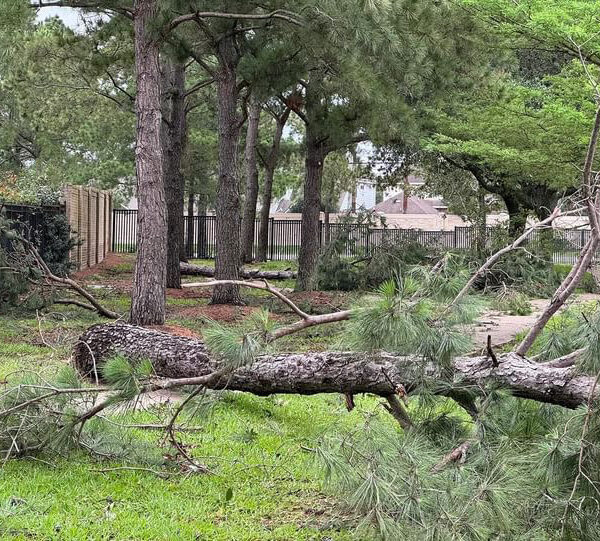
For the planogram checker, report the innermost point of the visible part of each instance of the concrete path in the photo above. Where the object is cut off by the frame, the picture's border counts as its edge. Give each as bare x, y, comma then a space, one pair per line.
503, 328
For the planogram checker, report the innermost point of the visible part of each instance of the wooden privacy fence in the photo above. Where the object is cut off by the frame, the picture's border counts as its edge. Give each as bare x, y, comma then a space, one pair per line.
285, 236
89, 213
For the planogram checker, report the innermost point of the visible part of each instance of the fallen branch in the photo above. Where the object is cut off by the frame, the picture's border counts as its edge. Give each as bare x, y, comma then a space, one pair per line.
566, 360
457, 455
188, 269
495, 257
75, 302
306, 320
50, 277
188, 361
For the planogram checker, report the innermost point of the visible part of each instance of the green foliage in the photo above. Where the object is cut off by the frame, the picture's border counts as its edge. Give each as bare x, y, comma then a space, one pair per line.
587, 284
56, 241
574, 328
125, 376
520, 272
404, 317
337, 271
515, 483
238, 346
513, 303
393, 258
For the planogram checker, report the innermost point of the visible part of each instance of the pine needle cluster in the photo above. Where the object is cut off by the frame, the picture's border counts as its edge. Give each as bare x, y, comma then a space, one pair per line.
516, 483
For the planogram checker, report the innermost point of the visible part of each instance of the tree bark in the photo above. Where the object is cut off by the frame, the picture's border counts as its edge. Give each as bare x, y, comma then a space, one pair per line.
311, 211
251, 196
197, 270
149, 285
517, 216
227, 208
328, 372
174, 134
270, 165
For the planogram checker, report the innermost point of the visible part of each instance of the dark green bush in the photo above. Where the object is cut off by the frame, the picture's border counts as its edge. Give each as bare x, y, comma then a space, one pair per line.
385, 262
12, 284
560, 271
392, 259
55, 242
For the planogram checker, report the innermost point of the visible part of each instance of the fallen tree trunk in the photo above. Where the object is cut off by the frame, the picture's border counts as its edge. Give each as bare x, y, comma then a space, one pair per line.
198, 270
328, 372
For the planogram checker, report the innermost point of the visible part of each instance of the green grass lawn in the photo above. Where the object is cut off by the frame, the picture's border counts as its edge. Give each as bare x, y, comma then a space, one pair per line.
254, 447
264, 483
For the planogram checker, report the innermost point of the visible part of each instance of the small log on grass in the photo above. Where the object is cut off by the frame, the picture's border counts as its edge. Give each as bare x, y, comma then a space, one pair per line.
328, 372
196, 270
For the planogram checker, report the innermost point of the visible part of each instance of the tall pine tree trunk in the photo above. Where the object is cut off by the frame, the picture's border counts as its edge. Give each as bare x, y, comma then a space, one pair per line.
227, 208
270, 165
149, 294
174, 142
251, 196
311, 211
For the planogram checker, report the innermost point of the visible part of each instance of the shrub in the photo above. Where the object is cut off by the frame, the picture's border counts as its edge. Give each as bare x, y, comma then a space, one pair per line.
391, 259
56, 241
560, 271
337, 273
521, 272
513, 303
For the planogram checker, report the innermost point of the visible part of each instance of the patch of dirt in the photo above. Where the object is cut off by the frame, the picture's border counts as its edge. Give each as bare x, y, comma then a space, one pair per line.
503, 328
111, 260
319, 302
313, 511
175, 330
190, 293
217, 312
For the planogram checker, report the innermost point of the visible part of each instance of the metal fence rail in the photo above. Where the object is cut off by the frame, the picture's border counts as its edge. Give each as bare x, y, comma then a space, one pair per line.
285, 237
30, 221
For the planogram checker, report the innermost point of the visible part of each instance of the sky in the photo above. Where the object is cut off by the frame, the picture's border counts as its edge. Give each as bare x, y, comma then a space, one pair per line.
68, 15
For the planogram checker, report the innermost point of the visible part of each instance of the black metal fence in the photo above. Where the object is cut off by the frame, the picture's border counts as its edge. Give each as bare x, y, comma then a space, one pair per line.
284, 237
30, 221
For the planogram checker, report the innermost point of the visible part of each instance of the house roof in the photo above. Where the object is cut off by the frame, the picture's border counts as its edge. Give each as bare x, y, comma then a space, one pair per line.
415, 205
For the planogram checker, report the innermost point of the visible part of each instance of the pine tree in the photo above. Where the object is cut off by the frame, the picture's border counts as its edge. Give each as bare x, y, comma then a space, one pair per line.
149, 294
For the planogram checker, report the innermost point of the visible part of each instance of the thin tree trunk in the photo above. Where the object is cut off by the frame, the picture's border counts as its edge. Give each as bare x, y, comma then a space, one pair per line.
173, 144
517, 217
564, 291
251, 197
329, 372
311, 211
149, 285
482, 222
270, 165
227, 208
189, 242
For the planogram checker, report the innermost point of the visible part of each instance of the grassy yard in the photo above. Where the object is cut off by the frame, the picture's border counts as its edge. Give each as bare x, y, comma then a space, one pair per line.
264, 482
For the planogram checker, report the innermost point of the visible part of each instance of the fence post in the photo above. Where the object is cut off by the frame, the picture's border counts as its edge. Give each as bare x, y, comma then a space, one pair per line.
320, 232
271, 234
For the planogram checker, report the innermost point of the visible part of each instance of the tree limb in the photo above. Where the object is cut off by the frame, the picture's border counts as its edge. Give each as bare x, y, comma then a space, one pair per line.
188, 361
